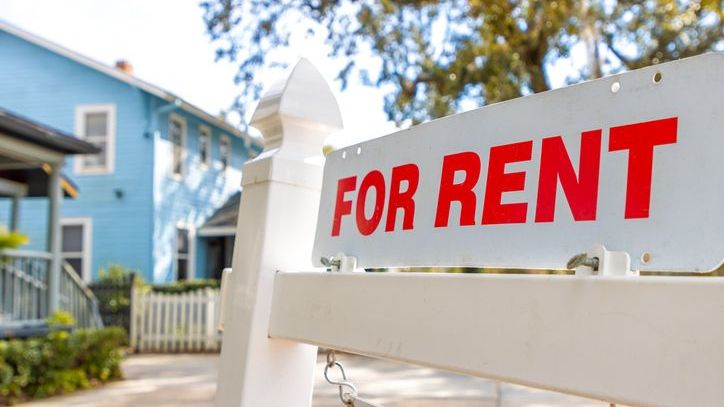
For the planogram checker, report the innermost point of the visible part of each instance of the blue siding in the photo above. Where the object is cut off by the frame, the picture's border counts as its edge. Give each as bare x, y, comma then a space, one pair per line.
137, 229
192, 199
47, 87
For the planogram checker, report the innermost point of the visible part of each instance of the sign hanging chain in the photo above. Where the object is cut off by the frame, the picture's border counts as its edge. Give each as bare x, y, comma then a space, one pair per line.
347, 390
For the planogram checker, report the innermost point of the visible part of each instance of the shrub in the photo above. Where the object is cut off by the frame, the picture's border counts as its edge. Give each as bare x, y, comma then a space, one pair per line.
118, 274
183, 286
58, 363
11, 240
114, 289
60, 319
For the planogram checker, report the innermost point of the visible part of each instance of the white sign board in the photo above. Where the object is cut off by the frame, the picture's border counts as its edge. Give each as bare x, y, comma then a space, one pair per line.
634, 162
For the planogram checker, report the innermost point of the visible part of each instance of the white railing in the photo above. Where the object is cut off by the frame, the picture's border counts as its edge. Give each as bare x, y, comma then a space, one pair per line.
24, 290
78, 300
175, 322
23, 285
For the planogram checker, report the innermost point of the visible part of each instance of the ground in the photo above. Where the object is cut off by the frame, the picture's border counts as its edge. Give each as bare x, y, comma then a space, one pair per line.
190, 380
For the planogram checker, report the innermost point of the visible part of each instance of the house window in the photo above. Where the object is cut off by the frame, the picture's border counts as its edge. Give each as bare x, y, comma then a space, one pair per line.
96, 124
76, 245
182, 254
177, 137
204, 145
225, 152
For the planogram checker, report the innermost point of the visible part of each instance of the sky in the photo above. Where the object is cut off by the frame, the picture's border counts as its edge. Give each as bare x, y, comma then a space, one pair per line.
167, 44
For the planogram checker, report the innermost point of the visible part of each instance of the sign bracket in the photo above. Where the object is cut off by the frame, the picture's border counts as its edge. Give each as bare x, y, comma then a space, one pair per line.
599, 261
340, 262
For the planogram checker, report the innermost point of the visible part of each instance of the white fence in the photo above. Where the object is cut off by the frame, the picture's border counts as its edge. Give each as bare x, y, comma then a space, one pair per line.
182, 322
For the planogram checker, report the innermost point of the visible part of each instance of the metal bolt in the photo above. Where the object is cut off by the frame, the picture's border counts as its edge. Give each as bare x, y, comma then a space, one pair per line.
582, 259
331, 262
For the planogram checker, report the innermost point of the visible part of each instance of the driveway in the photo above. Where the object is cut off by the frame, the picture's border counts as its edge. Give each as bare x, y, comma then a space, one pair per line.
190, 380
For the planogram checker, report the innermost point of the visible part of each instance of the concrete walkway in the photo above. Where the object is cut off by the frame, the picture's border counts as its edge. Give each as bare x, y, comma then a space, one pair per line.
190, 380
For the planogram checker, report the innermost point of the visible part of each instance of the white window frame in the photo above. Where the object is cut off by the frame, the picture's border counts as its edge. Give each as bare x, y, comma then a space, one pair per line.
191, 259
80, 113
184, 135
87, 253
205, 133
226, 138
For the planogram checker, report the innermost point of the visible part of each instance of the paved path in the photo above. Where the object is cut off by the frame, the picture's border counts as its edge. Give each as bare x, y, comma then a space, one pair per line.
190, 380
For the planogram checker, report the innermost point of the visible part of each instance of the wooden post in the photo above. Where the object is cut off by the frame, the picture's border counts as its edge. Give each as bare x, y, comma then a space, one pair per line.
277, 220
55, 196
210, 320
133, 326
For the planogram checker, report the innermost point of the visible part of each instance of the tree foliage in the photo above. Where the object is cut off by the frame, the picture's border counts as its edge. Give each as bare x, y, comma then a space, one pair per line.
437, 54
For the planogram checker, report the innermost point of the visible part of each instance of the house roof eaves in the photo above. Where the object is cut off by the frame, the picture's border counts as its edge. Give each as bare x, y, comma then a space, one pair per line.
39, 134
123, 77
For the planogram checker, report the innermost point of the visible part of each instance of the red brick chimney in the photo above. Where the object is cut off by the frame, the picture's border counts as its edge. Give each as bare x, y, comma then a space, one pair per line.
124, 66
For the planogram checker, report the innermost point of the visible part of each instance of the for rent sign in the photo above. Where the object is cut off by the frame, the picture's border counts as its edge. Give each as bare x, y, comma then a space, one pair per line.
633, 162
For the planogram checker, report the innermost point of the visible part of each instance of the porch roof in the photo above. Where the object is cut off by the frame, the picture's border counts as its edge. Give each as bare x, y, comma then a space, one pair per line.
22, 167
33, 132
36, 181
223, 221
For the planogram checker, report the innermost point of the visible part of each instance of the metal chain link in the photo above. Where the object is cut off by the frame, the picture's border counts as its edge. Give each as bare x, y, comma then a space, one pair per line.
348, 396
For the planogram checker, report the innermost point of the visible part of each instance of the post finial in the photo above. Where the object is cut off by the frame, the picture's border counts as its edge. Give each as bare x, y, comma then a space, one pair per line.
298, 113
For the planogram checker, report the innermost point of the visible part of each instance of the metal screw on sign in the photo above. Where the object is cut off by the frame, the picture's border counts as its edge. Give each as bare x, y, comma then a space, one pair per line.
331, 263
582, 259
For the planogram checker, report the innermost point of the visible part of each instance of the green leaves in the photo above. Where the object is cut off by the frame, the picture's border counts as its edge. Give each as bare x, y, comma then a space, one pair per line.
11, 240
183, 286
58, 363
437, 54
61, 318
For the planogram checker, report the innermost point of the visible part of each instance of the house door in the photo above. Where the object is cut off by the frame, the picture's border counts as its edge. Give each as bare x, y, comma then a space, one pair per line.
219, 251
214, 257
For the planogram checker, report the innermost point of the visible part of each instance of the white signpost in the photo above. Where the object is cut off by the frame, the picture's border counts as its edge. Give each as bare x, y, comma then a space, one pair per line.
626, 170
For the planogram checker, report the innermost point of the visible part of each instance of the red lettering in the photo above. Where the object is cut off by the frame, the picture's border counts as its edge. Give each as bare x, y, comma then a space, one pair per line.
640, 139
462, 192
374, 179
555, 165
341, 206
402, 200
494, 211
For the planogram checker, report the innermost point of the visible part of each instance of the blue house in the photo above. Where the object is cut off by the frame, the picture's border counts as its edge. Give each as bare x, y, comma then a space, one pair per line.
165, 167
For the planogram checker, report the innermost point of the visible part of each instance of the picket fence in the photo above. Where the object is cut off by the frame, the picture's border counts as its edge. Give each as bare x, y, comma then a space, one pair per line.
175, 322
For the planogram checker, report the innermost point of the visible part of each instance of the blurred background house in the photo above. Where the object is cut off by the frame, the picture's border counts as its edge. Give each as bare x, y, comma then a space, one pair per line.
164, 166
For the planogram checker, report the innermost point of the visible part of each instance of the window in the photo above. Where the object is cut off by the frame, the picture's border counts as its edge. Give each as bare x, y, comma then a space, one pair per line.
225, 152
177, 138
204, 144
76, 245
96, 124
182, 254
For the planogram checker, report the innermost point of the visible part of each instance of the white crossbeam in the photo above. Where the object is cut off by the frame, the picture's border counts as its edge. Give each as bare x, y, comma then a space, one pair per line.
638, 341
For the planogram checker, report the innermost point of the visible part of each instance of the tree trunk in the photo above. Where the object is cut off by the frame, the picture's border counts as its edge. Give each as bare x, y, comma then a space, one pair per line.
538, 81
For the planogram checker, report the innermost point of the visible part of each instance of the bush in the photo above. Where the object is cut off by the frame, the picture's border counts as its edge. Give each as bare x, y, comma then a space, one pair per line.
11, 240
60, 319
58, 363
183, 286
116, 275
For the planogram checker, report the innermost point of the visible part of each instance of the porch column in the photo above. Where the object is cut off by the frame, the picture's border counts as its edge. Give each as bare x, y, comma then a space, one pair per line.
15, 213
55, 195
